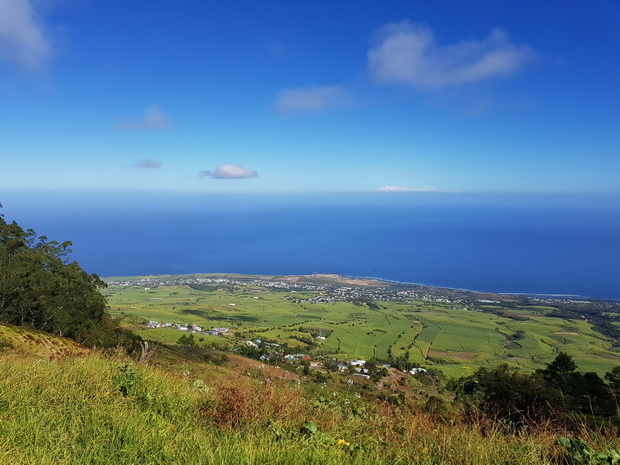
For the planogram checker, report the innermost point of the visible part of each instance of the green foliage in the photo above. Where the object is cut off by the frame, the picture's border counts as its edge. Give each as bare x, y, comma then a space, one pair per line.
559, 390
126, 380
308, 428
613, 378
74, 412
41, 289
579, 452
187, 340
511, 394
331, 364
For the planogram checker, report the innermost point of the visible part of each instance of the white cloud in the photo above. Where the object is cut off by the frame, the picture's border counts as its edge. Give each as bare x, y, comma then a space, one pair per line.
407, 189
23, 41
312, 99
229, 171
407, 53
147, 164
153, 118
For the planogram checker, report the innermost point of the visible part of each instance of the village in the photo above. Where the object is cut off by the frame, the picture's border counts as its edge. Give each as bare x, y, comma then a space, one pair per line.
273, 352
331, 290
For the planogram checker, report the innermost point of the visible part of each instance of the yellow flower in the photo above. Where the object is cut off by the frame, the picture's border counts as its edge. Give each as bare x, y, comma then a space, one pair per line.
342, 441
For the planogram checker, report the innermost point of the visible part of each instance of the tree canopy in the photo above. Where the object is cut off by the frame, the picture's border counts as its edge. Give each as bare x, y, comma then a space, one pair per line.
42, 289
558, 389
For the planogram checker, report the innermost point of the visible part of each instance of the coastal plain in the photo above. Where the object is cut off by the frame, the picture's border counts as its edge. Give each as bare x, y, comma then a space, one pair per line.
329, 316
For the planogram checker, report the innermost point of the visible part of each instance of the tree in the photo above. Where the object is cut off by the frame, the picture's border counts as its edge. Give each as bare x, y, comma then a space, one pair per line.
613, 380
40, 288
186, 340
510, 394
559, 371
557, 391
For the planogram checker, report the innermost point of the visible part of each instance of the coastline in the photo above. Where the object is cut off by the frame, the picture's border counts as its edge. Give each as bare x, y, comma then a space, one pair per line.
366, 280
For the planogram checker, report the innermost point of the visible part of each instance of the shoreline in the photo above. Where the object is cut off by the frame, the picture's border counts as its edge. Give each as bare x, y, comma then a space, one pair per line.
336, 277
473, 291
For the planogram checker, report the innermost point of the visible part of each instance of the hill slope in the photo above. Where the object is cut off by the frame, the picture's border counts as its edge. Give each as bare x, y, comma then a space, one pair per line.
85, 407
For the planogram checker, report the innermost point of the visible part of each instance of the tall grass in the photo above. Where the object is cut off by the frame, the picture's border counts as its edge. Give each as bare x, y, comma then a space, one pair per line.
102, 410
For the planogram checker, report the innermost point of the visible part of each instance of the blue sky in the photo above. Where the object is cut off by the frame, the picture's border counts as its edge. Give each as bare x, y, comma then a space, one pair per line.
277, 96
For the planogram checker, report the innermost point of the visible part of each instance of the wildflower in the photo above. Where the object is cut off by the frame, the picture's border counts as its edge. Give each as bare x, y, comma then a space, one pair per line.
343, 442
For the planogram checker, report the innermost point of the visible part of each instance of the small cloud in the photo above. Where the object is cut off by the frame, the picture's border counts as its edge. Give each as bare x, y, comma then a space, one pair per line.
23, 41
153, 118
408, 53
147, 164
229, 171
312, 99
407, 189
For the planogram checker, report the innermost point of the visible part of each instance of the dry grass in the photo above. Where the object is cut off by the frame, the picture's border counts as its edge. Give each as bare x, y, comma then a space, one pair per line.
73, 411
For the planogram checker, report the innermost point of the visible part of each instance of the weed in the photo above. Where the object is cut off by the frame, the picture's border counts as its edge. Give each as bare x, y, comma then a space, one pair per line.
126, 380
579, 452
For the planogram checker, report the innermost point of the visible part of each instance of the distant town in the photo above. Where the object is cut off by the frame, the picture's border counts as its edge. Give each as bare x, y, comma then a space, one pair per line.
335, 288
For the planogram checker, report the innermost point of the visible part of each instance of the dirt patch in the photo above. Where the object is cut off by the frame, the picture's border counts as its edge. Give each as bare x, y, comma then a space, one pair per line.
512, 345
568, 333
394, 381
464, 356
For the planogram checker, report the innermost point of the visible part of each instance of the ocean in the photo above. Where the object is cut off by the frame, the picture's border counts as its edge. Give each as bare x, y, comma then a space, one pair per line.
532, 244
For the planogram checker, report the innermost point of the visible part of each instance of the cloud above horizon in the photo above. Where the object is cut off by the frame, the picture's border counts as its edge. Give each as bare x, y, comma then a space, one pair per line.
407, 53
153, 118
23, 41
228, 171
407, 189
312, 99
145, 163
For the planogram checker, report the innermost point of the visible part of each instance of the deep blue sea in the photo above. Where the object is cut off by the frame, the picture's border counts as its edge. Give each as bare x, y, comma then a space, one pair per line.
535, 244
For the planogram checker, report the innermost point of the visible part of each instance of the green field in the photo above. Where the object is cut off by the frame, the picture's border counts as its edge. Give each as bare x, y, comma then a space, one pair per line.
441, 335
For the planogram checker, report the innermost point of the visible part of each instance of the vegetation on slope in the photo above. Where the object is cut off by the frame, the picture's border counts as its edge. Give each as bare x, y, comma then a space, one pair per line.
97, 409
41, 289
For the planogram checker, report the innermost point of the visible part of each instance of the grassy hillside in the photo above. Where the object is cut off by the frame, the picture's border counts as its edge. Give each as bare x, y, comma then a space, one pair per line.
32, 342
106, 409
444, 335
